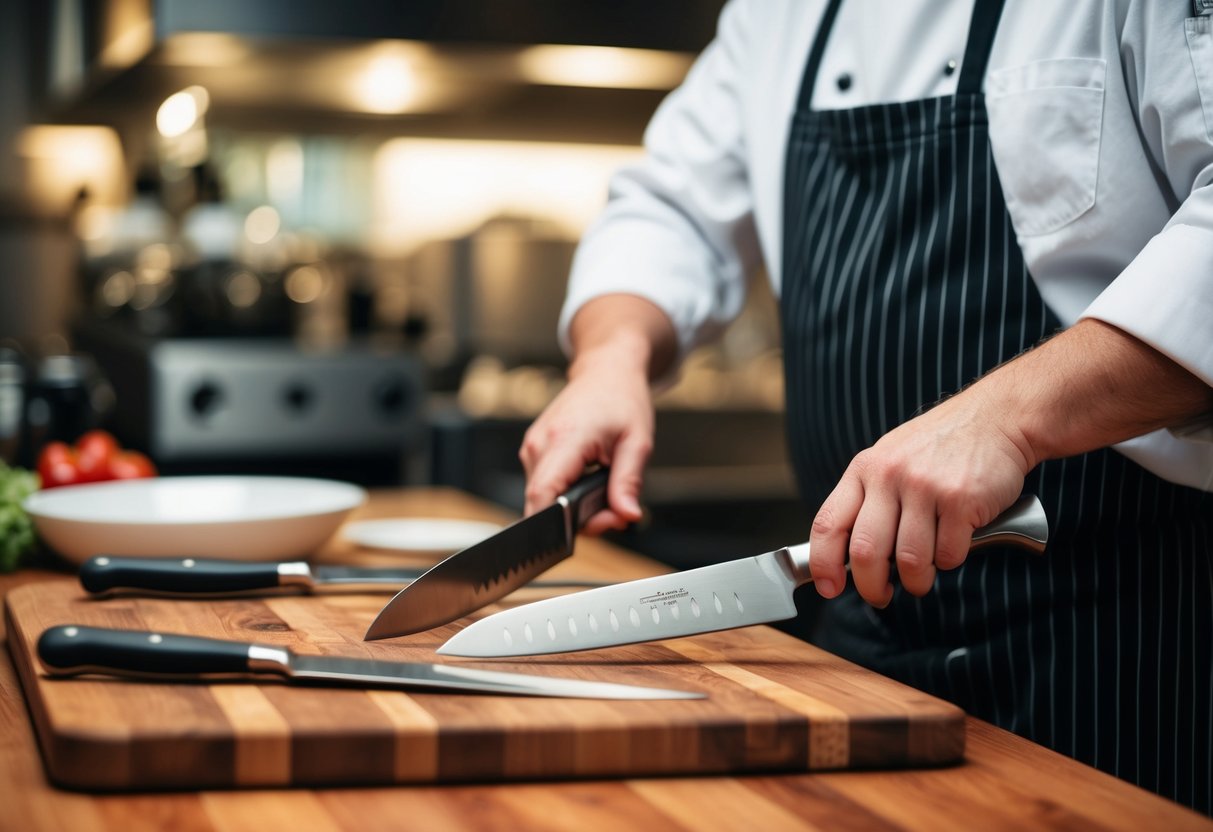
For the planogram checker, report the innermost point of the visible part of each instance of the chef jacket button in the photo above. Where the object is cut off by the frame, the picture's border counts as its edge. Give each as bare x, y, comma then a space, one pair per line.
950, 67
844, 81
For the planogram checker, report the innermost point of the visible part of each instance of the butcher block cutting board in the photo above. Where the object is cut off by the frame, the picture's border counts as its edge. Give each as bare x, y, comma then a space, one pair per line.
773, 703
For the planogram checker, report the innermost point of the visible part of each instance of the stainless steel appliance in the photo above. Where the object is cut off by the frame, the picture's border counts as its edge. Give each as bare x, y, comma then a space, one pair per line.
242, 404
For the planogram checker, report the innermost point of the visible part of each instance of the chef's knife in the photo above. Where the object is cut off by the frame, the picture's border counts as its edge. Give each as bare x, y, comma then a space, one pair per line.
755, 590
107, 575
72, 650
494, 567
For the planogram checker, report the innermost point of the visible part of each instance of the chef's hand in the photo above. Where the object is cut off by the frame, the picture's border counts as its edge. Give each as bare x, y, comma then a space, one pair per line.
605, 413
917, 495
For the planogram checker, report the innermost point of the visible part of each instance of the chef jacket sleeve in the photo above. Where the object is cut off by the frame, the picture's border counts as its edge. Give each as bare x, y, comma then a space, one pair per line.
1165, 296
678, 227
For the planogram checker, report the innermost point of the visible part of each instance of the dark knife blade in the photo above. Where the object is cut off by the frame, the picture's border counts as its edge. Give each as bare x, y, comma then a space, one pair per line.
494, 567
106, 575
71, 650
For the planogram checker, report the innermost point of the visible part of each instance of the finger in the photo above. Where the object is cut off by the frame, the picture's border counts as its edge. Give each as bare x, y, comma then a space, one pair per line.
953, 538
915, 549
871, 546
627, 475
604, 521
829, 535
553, 474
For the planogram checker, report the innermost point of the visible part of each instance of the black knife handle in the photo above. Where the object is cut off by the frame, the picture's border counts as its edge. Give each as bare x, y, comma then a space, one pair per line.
186, 576
587, 496
70, 649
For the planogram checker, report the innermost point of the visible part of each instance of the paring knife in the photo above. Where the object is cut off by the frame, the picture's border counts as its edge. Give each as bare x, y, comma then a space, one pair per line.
72, 650
755, 590
107, 575
494, 567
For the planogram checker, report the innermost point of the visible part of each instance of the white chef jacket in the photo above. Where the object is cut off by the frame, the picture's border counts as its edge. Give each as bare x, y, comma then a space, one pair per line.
1101, 123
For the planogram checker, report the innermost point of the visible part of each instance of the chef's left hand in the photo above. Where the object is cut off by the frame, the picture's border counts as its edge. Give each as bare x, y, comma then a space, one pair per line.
917, 495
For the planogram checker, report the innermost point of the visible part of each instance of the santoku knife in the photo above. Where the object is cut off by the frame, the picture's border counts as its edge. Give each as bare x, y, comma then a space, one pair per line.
72, 650
106, 575
755, 590
494, 567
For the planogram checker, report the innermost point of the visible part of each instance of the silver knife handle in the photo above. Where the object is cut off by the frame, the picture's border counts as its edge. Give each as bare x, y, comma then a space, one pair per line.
70, 650
1024, 525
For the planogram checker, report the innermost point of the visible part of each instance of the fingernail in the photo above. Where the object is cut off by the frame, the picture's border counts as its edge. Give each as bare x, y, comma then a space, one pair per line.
826, 587
631, 506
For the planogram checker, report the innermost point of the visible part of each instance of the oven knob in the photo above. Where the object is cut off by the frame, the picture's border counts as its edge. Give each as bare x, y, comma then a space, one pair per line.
206, 399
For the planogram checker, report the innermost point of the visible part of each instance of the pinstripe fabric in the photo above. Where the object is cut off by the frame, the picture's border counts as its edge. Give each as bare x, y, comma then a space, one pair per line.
902, 283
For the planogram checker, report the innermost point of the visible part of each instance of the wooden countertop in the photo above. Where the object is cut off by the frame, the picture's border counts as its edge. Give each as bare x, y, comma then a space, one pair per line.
1005, 781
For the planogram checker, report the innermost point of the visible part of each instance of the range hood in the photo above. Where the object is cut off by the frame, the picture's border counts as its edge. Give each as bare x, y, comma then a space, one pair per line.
537, 69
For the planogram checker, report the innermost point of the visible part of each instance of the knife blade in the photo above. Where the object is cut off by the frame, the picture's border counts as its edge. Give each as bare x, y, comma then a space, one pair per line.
494, 567
106, 575
71, 650
724, 596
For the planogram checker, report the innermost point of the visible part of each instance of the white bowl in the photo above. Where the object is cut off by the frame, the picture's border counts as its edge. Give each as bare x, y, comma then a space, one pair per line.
246, 518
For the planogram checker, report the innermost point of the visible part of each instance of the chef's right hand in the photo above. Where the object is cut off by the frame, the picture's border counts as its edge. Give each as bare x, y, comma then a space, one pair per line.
605, 413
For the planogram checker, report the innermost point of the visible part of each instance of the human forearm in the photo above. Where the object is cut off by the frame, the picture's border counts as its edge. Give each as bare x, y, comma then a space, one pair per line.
626, 331
1089, 387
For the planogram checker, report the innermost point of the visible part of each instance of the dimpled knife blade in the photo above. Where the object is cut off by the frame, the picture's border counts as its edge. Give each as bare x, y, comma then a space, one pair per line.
739, 593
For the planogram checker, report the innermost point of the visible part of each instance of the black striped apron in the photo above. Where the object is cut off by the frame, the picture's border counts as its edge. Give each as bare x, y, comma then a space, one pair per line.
902, 282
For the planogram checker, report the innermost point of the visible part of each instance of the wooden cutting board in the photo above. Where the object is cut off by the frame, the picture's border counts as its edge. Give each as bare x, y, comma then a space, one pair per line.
774, 703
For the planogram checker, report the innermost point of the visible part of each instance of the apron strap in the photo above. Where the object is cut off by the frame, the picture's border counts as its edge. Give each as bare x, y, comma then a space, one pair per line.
982, 27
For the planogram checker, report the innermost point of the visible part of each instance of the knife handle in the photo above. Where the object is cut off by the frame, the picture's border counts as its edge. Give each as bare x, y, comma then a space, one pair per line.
71, 650
587, 496
1024, 525
176, 576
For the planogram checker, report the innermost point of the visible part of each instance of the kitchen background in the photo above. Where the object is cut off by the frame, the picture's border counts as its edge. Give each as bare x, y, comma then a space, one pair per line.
306, 237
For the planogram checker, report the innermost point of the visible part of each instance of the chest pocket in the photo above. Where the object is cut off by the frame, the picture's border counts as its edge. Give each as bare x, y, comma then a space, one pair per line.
1046, 119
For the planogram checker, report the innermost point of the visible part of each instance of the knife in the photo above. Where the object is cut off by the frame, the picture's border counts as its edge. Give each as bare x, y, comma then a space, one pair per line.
494, 567
107, 575
755, 590
71, 650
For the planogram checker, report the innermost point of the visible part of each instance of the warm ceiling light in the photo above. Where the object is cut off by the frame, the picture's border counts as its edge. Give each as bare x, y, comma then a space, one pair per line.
387, 85
603, 66
181, 111
204, 49
262, 224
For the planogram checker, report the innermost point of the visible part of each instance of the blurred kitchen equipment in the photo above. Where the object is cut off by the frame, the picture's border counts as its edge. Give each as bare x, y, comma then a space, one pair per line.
496, 291
69, 395
226, 400
12, 404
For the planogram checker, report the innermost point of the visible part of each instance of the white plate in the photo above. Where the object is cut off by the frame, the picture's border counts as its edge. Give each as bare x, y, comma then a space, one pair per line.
419, 534
249, 518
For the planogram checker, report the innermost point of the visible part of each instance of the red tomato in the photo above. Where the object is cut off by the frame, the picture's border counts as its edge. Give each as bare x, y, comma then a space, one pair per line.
94, 451
58, 465
130, 465
97, 443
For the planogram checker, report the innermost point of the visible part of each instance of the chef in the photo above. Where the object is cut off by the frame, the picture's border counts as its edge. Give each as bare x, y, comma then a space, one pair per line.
991, 233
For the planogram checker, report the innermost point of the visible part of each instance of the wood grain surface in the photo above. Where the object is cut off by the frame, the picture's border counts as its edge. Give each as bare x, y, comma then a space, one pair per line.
773, 703
1004, 782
